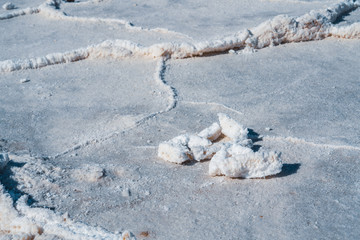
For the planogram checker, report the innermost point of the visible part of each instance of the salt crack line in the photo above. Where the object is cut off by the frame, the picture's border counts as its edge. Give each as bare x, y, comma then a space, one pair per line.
20, 12
303, 141
159, 77
51, 9
55, 14
214, 104
315, 25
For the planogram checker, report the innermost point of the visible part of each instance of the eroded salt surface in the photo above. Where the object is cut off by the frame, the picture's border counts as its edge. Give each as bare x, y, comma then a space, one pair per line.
232, 158
25, 222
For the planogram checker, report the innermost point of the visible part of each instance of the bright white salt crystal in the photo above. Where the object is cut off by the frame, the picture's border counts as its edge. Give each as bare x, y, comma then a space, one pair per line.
231, 128
4, 159
175, 150
185, 147
212, 133
244, 163
8, 6
199, 147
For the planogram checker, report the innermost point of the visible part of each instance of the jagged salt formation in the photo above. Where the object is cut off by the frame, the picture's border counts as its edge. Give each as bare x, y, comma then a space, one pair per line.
232, 156
315, 25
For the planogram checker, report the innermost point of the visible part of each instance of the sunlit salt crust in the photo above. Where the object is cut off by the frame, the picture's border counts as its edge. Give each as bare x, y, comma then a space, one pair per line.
233, 158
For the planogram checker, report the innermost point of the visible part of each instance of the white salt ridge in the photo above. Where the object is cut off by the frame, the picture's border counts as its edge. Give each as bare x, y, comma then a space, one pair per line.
315, 25
349, 32
234, 158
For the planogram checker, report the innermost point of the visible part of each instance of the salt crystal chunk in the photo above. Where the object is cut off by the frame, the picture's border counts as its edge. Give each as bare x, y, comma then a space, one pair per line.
8, 6
244, 163
231, 128
212, 133
24, 80
199, 147
175, 150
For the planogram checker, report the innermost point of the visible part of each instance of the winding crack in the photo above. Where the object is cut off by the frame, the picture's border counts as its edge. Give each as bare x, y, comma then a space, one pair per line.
51, 9
159, 77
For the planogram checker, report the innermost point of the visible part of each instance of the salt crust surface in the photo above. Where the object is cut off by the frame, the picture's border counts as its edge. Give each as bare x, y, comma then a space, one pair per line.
233, 158
230, 159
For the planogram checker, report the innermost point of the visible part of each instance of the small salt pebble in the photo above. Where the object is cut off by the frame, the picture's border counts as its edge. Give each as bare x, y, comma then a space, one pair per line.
231, 51
268, 129
24, 80
8, 6
126, 193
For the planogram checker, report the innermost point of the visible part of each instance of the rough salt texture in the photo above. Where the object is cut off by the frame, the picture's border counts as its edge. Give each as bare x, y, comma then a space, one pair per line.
234, 158
231, 128
184, 148
20, 220
241, 162
212, 133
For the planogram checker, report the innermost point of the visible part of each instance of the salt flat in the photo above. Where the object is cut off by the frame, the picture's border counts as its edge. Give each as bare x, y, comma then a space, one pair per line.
89, 90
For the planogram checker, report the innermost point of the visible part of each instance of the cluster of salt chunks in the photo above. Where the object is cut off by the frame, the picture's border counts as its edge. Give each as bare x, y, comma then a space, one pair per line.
228, 147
